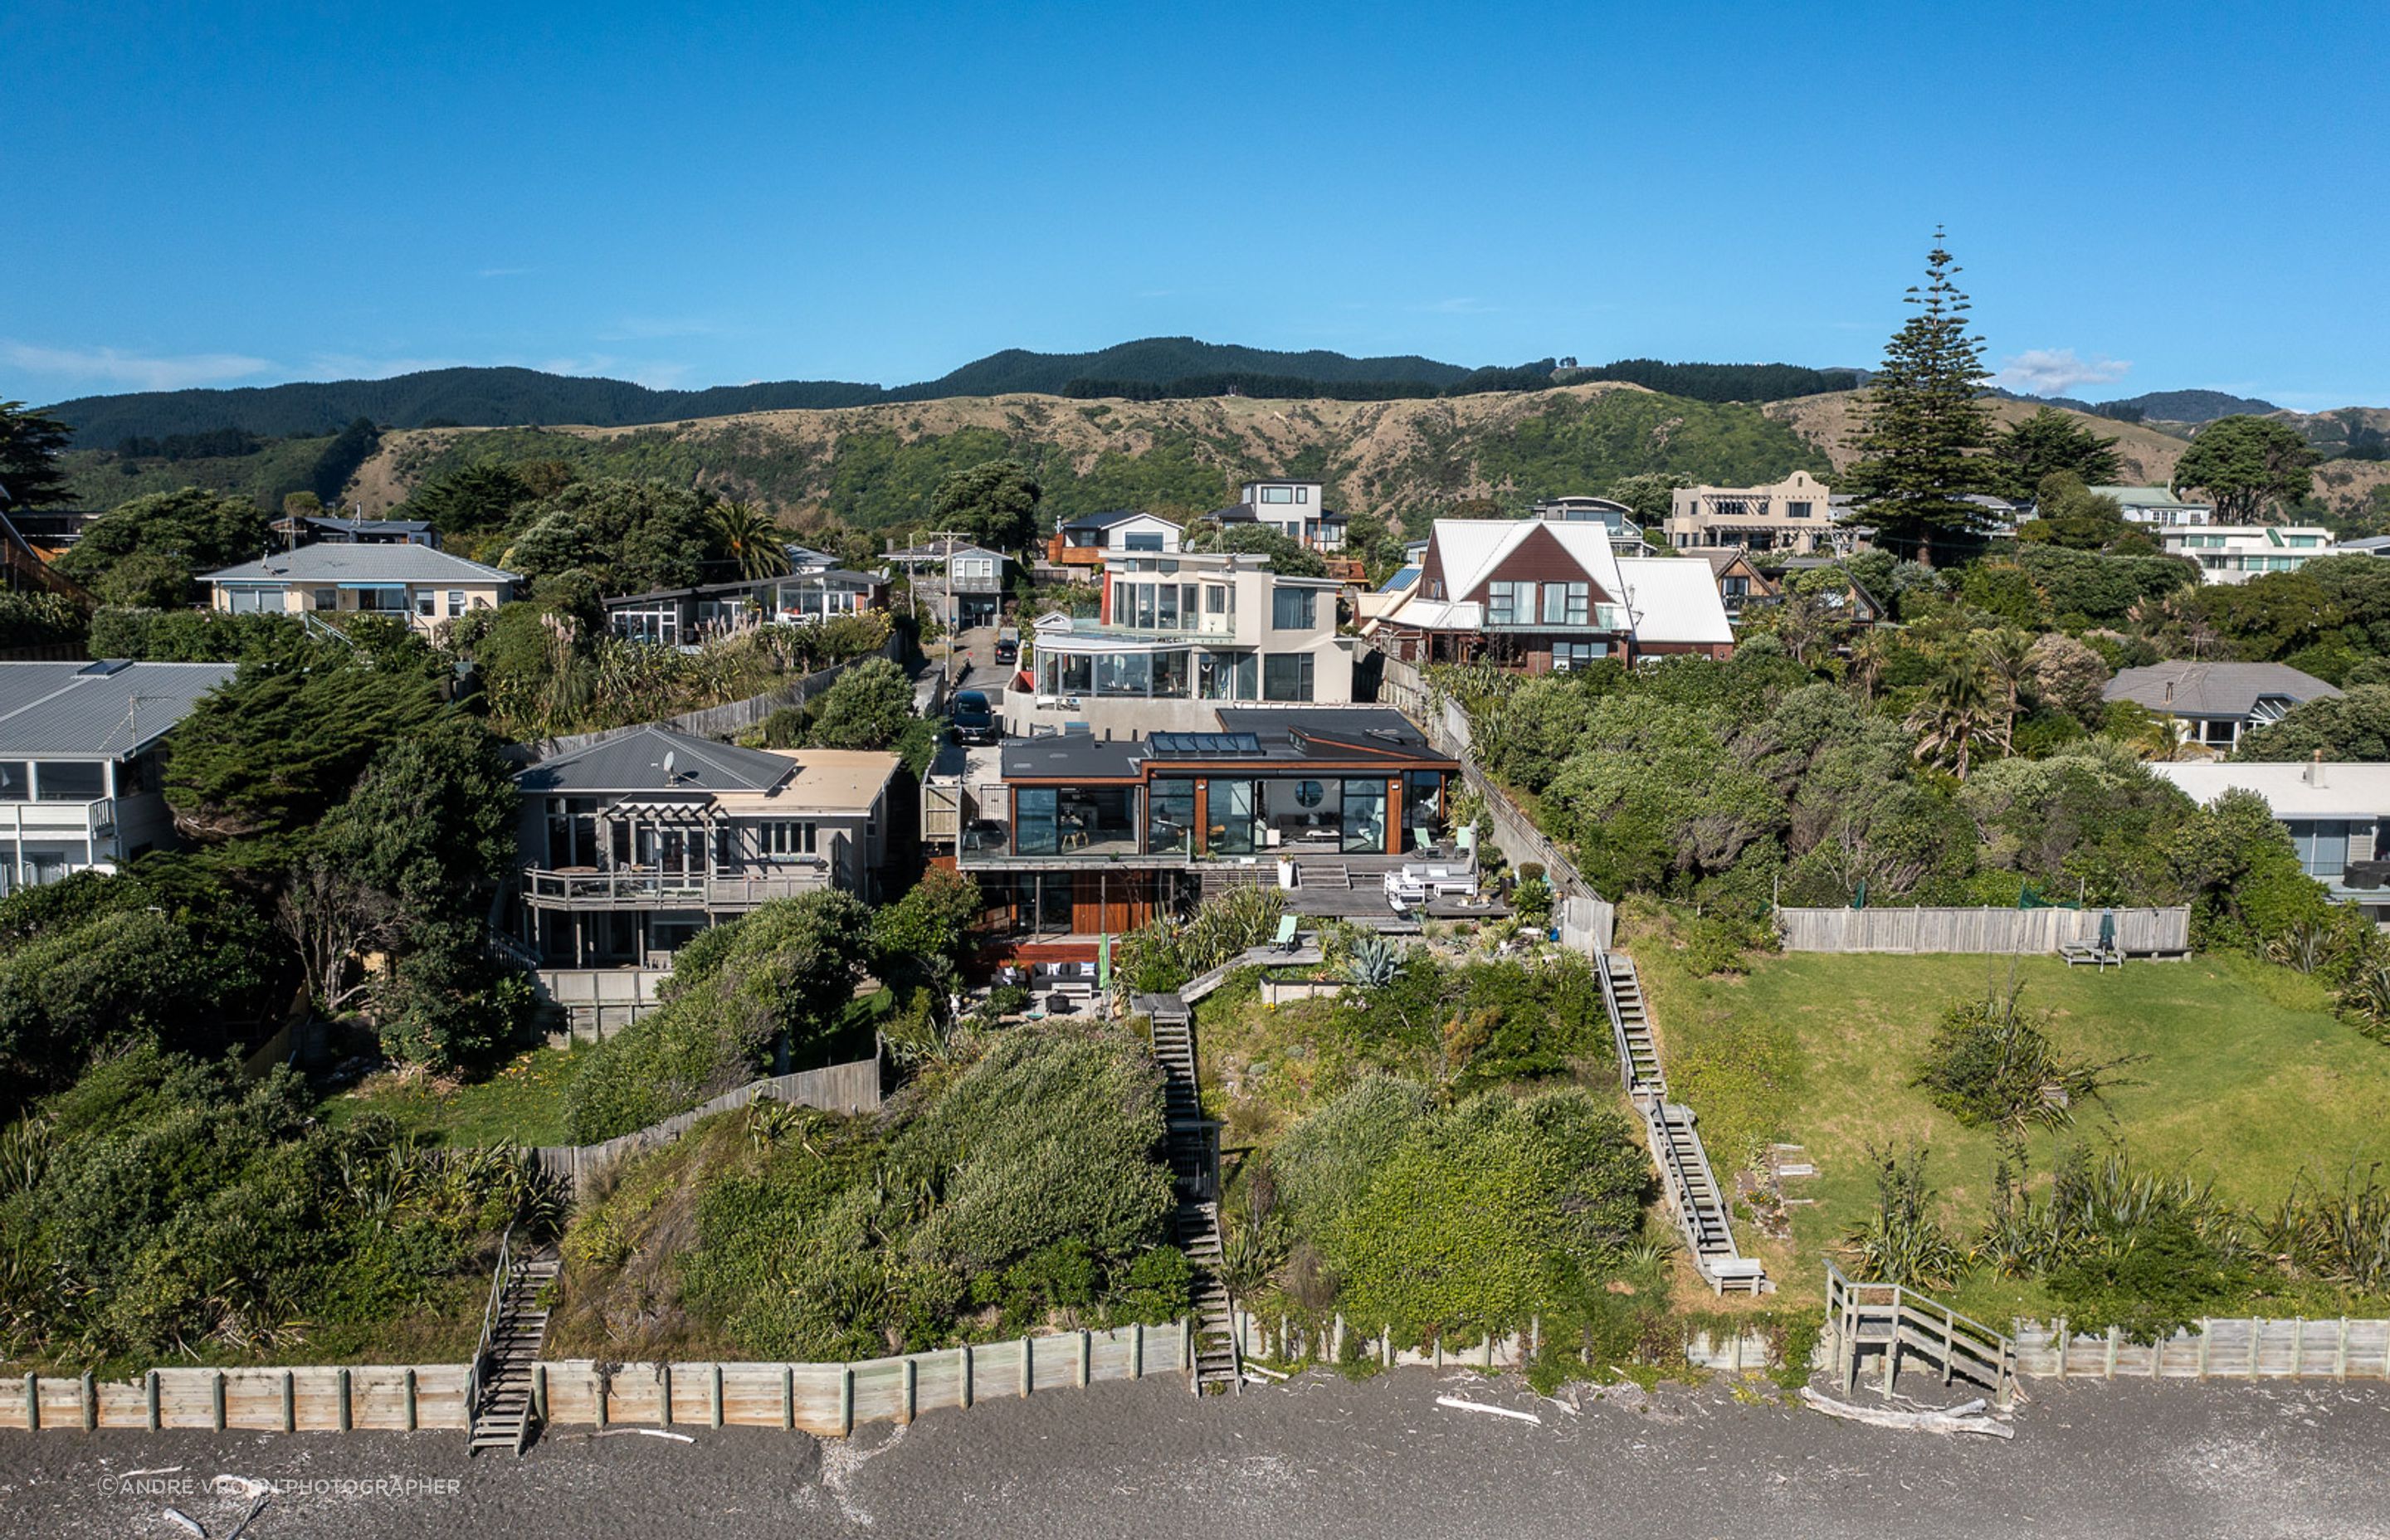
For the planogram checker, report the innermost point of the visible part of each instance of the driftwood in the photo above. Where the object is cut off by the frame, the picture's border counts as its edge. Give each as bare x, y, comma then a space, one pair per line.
1965, 1418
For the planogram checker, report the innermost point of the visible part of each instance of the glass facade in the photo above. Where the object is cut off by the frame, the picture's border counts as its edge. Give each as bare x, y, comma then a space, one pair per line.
1036, 828
1365, 816
1170, 819
1232, 806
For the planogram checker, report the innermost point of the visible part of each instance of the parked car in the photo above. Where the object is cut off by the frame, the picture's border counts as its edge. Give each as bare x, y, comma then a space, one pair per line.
1008, 644
974, 720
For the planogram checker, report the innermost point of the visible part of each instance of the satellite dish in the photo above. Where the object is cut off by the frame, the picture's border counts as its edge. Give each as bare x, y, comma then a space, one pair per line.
668, 764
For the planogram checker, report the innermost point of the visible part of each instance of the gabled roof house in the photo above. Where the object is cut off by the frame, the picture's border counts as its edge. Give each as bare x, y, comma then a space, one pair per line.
1540, 595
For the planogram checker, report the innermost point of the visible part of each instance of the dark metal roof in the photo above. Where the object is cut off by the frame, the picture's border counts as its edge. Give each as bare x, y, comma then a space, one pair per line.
1258, 736
635, 762
96, 711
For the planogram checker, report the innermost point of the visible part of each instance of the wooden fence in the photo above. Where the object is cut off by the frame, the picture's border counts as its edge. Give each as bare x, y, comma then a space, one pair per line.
2139, 931
814, 1398
2259, 1349
850, 1087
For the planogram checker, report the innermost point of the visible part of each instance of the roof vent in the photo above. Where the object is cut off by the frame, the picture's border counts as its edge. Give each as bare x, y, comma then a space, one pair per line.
2315, 773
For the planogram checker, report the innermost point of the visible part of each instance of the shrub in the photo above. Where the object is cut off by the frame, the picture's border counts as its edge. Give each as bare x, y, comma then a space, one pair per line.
1992, 1064
1485, 1212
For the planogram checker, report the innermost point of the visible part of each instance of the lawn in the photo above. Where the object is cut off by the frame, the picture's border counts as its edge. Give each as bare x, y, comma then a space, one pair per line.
523, 1101
2248, 1081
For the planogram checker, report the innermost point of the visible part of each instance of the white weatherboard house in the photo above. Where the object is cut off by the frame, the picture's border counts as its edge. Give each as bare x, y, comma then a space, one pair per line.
415, 584
2335, 813
80, 762
1546, 595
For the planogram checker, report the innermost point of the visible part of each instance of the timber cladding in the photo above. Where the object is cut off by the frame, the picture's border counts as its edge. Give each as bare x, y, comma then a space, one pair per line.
826, 1399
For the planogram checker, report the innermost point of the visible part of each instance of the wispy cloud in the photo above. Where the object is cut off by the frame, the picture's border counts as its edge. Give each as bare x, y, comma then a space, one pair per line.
349, 365
134, 370
2056, 371
655, 374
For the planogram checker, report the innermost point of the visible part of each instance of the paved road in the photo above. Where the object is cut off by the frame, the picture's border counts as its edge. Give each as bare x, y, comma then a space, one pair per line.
1320, 1459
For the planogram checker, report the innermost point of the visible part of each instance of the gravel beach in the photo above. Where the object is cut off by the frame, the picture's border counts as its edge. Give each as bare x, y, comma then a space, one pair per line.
1320, 1459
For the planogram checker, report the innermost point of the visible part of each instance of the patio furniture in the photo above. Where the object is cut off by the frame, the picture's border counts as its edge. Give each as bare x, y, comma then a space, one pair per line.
1287, 940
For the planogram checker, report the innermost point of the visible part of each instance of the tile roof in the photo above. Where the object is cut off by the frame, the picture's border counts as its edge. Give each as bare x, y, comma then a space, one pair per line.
96, 711
2213, 689
337, 563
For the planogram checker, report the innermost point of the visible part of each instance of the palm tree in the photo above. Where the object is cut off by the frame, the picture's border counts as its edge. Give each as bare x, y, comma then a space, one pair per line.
1954, 713
2007, 656
753, 541
1868, 660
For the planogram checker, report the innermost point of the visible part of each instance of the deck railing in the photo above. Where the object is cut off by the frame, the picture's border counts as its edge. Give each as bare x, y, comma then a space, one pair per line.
647, 888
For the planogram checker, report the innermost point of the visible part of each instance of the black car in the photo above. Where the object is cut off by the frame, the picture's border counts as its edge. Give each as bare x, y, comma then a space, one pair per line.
1008, 649
974, 720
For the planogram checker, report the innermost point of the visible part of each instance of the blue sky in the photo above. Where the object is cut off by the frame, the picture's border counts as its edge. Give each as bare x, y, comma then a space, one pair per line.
2143, 196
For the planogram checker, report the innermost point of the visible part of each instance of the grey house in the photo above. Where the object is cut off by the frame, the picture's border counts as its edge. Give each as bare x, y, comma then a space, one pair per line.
973, 575
2213, 704
631, 846
79, 763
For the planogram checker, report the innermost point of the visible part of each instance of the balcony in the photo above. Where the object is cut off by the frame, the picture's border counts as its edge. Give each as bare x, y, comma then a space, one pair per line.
94, 820
650, 888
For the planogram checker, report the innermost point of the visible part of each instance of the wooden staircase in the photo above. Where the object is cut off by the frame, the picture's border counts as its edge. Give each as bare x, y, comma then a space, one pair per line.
1630, 1028
1894, 1320
499, 1399
1670, 1128
1194, 1168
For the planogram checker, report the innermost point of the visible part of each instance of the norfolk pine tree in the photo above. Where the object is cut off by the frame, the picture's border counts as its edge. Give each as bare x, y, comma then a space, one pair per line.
1924, 422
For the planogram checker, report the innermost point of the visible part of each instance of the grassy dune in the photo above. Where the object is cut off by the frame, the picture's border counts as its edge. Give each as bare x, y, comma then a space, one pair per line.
2249, 1080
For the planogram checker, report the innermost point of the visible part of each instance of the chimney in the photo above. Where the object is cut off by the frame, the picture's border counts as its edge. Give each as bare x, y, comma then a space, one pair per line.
2168, 698
2315, 770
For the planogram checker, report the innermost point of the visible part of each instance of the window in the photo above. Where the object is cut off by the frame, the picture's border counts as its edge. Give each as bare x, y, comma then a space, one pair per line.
254, 601
1365, 817
1125, 673
1797, 511
1293, 609
1170, 671
1218, 599
1577, 654
1734, 588
1278, 494
427, 604
784, 838
456, 602
1286, 677
327, 598
66, 782
1303, 494
1510, 603
1231, 804
383, 601
16, 785
2322, 845
1170, 819
1150, 540
1034, 828
1567, 603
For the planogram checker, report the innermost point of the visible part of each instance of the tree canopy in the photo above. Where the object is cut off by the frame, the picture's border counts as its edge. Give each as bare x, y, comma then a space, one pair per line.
2047, 443
633, 536
31, 444
2355, 725
993, 502
1924, 421
162, 542
2247, 466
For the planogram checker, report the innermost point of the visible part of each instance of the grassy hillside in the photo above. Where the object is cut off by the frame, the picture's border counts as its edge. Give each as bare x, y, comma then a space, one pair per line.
874, 466
2249, 1080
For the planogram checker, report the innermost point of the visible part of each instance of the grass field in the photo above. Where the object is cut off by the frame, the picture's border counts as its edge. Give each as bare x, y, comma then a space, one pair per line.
523, 1102
2248, 1080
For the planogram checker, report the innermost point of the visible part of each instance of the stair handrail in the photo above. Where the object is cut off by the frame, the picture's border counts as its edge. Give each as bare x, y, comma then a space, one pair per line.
489, 1325
1846, 1302
1617, 1022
